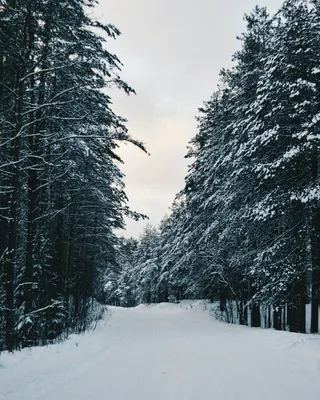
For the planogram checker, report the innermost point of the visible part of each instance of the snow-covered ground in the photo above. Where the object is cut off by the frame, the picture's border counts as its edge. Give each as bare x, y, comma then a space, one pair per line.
167, 352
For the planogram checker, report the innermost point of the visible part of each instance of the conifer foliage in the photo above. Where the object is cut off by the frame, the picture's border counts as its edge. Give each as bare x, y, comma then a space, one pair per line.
61, 189
245, 230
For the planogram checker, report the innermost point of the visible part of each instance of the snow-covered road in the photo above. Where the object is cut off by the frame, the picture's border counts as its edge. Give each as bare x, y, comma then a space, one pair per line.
167, 352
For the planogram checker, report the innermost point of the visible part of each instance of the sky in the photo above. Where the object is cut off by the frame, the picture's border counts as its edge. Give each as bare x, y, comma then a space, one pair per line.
172, 51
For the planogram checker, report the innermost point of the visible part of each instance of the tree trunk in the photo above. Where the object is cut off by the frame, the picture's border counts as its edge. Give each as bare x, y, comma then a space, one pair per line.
315, 255
12, 237
277, 319
255, 316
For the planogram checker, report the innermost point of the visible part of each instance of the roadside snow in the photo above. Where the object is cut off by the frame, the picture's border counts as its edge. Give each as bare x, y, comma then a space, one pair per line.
167, 352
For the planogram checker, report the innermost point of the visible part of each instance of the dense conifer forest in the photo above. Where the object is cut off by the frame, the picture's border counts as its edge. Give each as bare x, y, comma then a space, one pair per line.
245, 229
62, 191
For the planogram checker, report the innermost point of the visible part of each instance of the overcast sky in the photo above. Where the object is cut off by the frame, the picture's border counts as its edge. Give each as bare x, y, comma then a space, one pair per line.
172, 51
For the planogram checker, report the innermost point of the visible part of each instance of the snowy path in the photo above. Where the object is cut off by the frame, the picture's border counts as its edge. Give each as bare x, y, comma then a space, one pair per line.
166, 352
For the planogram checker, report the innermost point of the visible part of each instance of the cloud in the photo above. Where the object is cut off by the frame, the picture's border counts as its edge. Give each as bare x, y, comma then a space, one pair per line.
172, 51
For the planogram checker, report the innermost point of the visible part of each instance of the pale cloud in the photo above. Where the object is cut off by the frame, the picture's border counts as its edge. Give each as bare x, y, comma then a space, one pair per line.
172, 51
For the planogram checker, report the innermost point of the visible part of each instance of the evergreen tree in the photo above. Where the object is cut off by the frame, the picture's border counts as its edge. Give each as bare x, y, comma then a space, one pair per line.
62, 192
245, 229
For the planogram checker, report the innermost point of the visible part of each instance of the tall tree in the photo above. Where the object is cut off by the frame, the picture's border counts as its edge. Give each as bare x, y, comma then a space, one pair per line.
62, 191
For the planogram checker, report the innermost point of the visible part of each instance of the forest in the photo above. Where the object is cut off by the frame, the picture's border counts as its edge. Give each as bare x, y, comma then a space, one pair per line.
62, 190
244, 230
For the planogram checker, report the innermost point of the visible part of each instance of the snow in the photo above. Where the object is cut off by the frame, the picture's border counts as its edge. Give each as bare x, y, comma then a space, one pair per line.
167, 352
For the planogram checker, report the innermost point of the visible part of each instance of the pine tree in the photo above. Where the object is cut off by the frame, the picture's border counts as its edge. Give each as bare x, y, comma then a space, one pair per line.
245, 229
62, 191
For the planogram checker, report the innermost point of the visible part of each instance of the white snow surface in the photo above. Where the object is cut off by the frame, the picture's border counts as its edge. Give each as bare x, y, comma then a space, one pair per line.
166, 352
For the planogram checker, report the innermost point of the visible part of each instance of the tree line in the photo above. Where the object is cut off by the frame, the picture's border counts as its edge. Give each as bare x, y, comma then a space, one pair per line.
61, 187
245, 229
